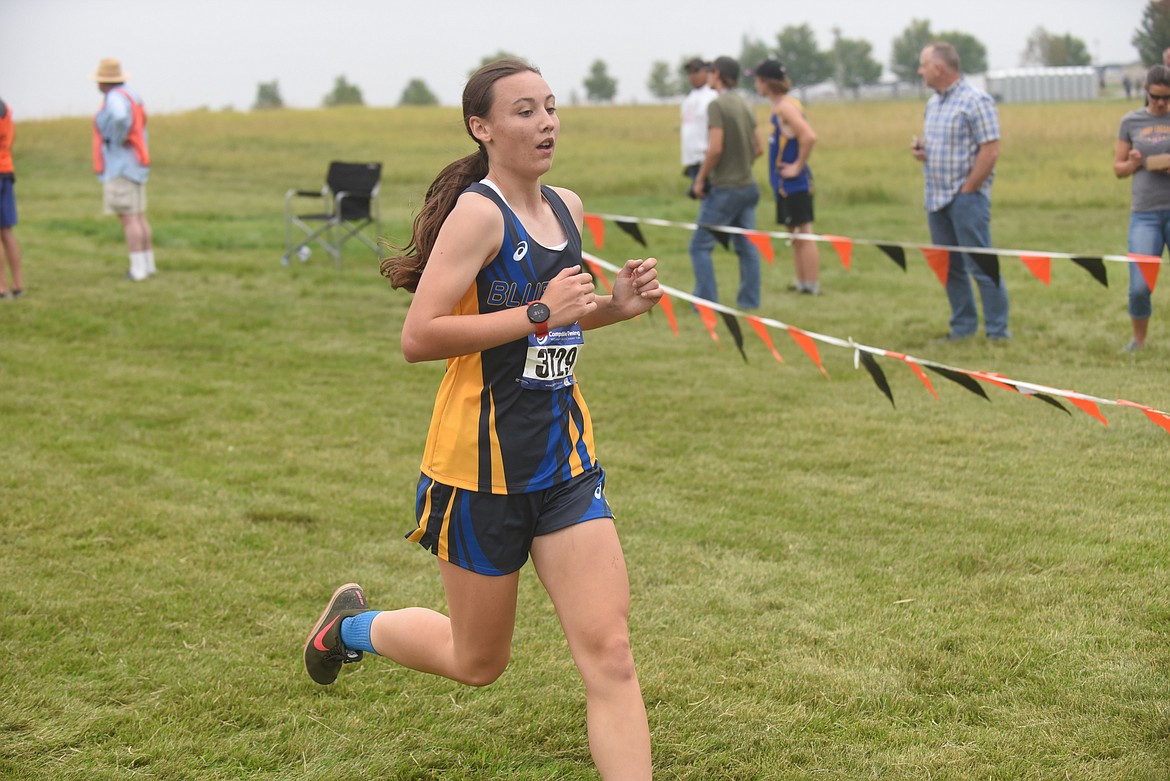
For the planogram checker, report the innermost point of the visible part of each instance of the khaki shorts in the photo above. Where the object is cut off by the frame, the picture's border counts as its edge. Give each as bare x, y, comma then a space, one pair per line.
122, 196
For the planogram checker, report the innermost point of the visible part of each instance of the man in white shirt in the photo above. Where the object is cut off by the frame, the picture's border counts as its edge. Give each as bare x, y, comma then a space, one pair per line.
694, 118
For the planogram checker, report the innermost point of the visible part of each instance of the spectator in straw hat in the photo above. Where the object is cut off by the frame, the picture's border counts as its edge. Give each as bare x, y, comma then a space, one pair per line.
121, 160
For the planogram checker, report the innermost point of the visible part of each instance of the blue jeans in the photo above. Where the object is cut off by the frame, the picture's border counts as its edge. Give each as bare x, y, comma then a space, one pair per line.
1148, 233
734, 207
966, 222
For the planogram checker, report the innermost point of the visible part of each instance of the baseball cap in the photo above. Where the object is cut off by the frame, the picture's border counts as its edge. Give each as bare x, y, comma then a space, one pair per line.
769, 69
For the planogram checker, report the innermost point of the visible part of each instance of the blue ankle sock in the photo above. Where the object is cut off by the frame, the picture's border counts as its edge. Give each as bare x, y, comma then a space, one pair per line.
355, 631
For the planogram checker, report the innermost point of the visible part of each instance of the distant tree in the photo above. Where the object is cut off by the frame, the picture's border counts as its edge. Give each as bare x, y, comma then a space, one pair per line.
1152, 36
751, 53
854, 65
343, 94
662, 83
972, 53
807, 65
500, 55
268, 96
417, 94
1050, 50
600, 87
907, 49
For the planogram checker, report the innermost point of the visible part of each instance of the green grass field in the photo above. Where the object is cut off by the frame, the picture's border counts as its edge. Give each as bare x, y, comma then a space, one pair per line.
823, 585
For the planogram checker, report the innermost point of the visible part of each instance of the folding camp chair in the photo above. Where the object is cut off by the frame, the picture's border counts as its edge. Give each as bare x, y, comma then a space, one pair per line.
350, 200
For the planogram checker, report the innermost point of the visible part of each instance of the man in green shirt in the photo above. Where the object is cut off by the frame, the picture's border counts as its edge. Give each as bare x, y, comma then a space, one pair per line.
727, 190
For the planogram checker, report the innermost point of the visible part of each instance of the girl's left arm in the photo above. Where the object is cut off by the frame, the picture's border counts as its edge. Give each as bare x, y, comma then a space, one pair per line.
636, 289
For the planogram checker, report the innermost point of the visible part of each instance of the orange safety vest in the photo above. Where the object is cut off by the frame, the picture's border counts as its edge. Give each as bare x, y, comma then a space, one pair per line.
134, 139
7, 131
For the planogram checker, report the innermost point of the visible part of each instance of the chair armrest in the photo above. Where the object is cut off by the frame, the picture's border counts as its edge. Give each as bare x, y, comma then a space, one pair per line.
290, 194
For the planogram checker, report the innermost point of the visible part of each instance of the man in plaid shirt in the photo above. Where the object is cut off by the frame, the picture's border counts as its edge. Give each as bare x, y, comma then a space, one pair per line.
958, 152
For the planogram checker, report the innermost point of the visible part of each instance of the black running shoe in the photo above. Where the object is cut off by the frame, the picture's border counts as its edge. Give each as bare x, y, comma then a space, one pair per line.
324, 651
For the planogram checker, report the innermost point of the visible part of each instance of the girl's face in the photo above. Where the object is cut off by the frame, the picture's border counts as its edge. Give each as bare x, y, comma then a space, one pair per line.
521, 130
1159, 95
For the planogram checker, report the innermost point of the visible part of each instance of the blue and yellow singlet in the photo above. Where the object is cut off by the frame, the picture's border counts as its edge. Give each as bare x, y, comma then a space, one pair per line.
511, 419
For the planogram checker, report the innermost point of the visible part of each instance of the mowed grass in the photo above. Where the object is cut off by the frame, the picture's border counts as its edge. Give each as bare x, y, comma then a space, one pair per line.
823, 585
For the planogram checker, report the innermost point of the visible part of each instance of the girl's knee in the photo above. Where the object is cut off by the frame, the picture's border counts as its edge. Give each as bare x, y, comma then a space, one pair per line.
610, 660
482, 671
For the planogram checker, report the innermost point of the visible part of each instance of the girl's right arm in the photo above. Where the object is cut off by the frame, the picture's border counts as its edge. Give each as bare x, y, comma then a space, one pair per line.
1126, 161
470, 237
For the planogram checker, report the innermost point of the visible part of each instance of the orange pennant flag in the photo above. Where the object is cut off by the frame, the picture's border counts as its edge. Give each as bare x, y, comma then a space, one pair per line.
1089, 408
914, 367
596, 229
668, 309
808, 345
761, 329
1158, 418
844, 247
764, 245
599, 272
1154, 415
1040, 266
939, 261
708, 316
1148, 265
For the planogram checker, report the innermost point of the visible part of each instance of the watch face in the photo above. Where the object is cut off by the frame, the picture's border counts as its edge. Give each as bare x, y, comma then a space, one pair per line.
537, 312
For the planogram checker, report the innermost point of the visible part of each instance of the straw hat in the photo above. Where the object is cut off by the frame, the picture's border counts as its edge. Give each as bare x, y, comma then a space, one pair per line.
109, 72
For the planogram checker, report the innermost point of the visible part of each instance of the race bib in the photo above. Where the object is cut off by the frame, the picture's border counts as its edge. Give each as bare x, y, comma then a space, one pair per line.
550, 360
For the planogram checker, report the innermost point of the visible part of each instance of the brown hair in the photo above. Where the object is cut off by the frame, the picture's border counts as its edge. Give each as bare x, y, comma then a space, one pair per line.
405, 268
776, 86
1159, 74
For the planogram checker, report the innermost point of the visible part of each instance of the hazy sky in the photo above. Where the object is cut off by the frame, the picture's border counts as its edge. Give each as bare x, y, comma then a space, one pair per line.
183, 54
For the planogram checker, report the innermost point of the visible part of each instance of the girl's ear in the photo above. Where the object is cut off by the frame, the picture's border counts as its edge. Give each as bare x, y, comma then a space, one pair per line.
479, 129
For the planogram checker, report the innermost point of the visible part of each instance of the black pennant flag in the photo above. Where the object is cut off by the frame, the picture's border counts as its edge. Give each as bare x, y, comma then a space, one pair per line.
988, 263
723, 238
1095, 266
736, 332
1044, 397
879, 377
896, 253
966, 380
632, 229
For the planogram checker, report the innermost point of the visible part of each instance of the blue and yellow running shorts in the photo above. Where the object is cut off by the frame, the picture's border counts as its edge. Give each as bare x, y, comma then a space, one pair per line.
492, 533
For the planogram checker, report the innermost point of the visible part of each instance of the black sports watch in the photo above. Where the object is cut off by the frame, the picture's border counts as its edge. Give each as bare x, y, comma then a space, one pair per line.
538, 315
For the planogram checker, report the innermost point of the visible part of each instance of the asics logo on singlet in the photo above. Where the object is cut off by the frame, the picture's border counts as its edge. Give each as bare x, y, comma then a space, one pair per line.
521, 251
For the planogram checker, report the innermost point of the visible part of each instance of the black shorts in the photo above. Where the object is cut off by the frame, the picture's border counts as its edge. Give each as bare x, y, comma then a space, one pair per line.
794, 209
492, 533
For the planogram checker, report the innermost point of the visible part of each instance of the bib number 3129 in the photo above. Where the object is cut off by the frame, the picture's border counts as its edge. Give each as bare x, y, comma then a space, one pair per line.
549, 362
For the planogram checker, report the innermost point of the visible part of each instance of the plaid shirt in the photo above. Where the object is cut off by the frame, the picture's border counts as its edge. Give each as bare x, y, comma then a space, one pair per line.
959, 120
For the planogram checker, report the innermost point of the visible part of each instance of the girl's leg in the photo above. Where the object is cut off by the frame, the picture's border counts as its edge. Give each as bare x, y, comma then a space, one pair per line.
807, 258
584, 572
12, 252
1145, 238
471, 646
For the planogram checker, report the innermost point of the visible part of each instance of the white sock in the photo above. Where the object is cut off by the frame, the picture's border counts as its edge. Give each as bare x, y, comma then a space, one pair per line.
138, 266
150, 270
